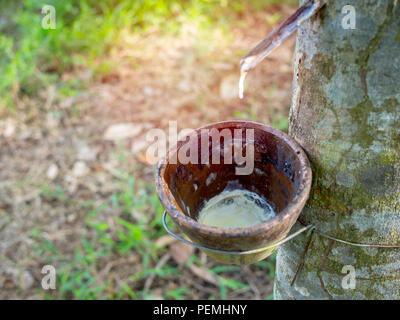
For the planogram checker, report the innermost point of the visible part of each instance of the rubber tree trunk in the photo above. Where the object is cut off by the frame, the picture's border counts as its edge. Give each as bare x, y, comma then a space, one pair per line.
346, 115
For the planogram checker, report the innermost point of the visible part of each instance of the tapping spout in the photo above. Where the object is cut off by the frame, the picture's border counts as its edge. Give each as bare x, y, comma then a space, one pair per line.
275, 38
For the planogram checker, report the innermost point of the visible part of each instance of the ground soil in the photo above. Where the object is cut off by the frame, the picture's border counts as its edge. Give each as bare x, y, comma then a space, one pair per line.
53, 140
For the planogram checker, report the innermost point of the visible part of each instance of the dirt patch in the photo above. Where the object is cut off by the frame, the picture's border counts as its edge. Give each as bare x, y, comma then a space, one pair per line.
55, 163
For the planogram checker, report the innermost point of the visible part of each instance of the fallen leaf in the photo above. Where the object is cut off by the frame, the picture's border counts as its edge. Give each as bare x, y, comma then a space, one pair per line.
138, 145
86, 153
164, 241
180, 252
80, 169
204, 274
148, 161
26, 280
122, 131
52, 172
139, 215
8, 127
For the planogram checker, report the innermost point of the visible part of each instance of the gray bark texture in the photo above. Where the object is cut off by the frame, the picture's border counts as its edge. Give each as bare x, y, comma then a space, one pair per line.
345, 114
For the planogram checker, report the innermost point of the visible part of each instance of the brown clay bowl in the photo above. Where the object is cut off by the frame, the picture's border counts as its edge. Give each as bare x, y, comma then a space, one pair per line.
282, 175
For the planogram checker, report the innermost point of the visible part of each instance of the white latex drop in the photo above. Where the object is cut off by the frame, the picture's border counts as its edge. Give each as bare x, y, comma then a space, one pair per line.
241, 84
235, 209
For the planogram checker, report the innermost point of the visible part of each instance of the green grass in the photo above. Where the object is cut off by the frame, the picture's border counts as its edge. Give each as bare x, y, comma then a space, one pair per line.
77, 274
32, 58
135, 214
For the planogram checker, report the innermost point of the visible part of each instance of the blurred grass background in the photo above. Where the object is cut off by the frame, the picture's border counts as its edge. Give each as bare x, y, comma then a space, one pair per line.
32, 58
118, 248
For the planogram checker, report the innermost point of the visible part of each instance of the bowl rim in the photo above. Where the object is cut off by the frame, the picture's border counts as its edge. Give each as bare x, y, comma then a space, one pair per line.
293, 208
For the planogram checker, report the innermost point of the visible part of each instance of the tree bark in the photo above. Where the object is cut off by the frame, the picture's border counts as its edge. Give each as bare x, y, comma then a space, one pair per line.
345, 114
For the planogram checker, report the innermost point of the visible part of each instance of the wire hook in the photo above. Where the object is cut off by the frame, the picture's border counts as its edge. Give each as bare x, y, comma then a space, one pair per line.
295, 234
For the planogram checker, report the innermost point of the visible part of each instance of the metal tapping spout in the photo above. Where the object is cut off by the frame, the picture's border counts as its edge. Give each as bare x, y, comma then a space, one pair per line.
275, 38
